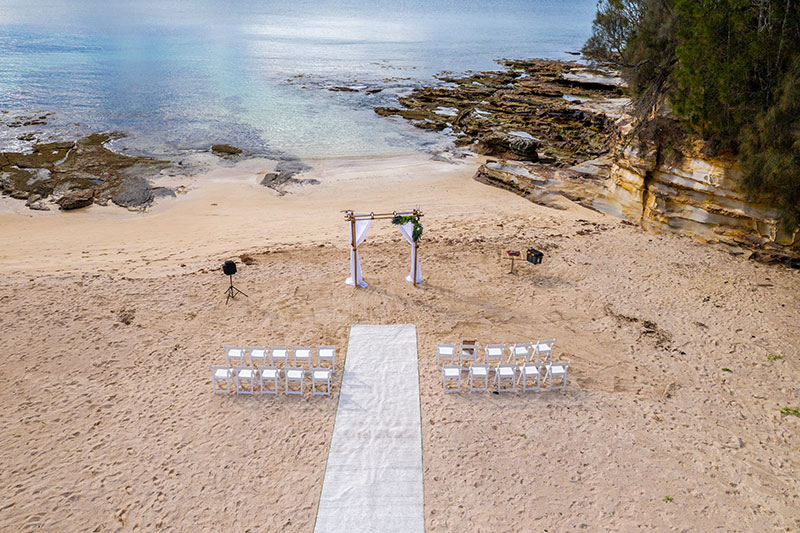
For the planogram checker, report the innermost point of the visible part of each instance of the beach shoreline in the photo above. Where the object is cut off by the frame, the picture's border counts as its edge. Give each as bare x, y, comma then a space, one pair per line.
51, 173
229, 207
116, 313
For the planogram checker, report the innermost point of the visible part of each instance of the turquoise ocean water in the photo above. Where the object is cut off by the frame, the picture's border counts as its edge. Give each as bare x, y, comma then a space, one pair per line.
182, 74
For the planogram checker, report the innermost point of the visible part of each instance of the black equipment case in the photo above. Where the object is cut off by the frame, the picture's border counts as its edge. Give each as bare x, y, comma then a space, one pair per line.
534, 257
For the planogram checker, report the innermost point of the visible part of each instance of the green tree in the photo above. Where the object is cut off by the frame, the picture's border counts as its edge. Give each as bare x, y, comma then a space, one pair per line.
651, 53
731, 56
736, 85
613, 25
770, 150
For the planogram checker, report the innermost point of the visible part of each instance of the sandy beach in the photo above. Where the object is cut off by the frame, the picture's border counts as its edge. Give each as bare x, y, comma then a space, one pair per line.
682, 357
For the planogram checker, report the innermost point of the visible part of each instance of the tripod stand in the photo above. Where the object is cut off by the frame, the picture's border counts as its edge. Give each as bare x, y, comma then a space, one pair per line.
233, 291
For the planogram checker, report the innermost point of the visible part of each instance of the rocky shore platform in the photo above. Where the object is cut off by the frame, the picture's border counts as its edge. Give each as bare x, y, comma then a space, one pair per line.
553, 128
531, 110
49, 168
75, 174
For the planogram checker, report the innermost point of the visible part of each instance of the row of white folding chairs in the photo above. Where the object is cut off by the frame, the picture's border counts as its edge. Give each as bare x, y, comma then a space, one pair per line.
279, 356
528, 352
243, 379
507, 377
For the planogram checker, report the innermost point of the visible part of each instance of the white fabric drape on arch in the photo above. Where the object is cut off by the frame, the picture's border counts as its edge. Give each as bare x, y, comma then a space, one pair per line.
407, 230
362, 227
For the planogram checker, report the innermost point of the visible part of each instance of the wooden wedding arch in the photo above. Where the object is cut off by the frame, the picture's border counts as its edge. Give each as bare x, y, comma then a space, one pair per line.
353, 217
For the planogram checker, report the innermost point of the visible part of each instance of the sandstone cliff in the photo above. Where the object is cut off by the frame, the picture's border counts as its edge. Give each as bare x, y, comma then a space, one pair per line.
691, 193
695, 194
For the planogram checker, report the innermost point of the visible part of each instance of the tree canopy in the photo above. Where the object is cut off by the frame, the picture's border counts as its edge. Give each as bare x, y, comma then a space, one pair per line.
731, 72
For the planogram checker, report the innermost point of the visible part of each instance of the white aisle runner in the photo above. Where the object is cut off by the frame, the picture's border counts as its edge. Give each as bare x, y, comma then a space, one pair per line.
373, 480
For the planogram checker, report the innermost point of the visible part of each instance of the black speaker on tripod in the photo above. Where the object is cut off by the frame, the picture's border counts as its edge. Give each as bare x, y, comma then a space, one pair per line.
229, 268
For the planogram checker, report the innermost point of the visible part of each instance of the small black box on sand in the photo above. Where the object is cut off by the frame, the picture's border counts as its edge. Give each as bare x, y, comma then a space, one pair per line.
534, 256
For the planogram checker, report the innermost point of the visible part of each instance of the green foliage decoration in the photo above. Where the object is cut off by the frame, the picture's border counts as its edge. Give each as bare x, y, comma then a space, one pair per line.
417, 232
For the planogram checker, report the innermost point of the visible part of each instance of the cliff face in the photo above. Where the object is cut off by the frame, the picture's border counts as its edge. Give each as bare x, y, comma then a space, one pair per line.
690, 194
697, 195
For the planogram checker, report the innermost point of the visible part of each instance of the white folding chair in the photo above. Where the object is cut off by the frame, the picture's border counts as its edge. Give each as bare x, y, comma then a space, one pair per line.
557, 370
469, 352
451, 374
258, 355
533, 355
234, 355
246, 374
506, 378
270, 374
445, 352
529, 372
479, 378
294, 375
278, 355
221, 374
520, 353
545, 350
302, 356
321, 376
326, 354
495, 353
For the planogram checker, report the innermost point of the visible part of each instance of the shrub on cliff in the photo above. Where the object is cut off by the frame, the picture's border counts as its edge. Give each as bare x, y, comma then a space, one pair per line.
614, 23
639, 38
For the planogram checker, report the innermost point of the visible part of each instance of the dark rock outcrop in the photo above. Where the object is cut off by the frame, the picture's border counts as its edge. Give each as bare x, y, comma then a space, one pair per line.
35, 202
508, 146
531, 111
76, 199
132, 192
165, 192
283, 176
62, 168
225, 150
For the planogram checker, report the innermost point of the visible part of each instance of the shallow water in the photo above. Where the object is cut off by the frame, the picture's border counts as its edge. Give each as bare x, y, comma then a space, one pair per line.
182, 74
